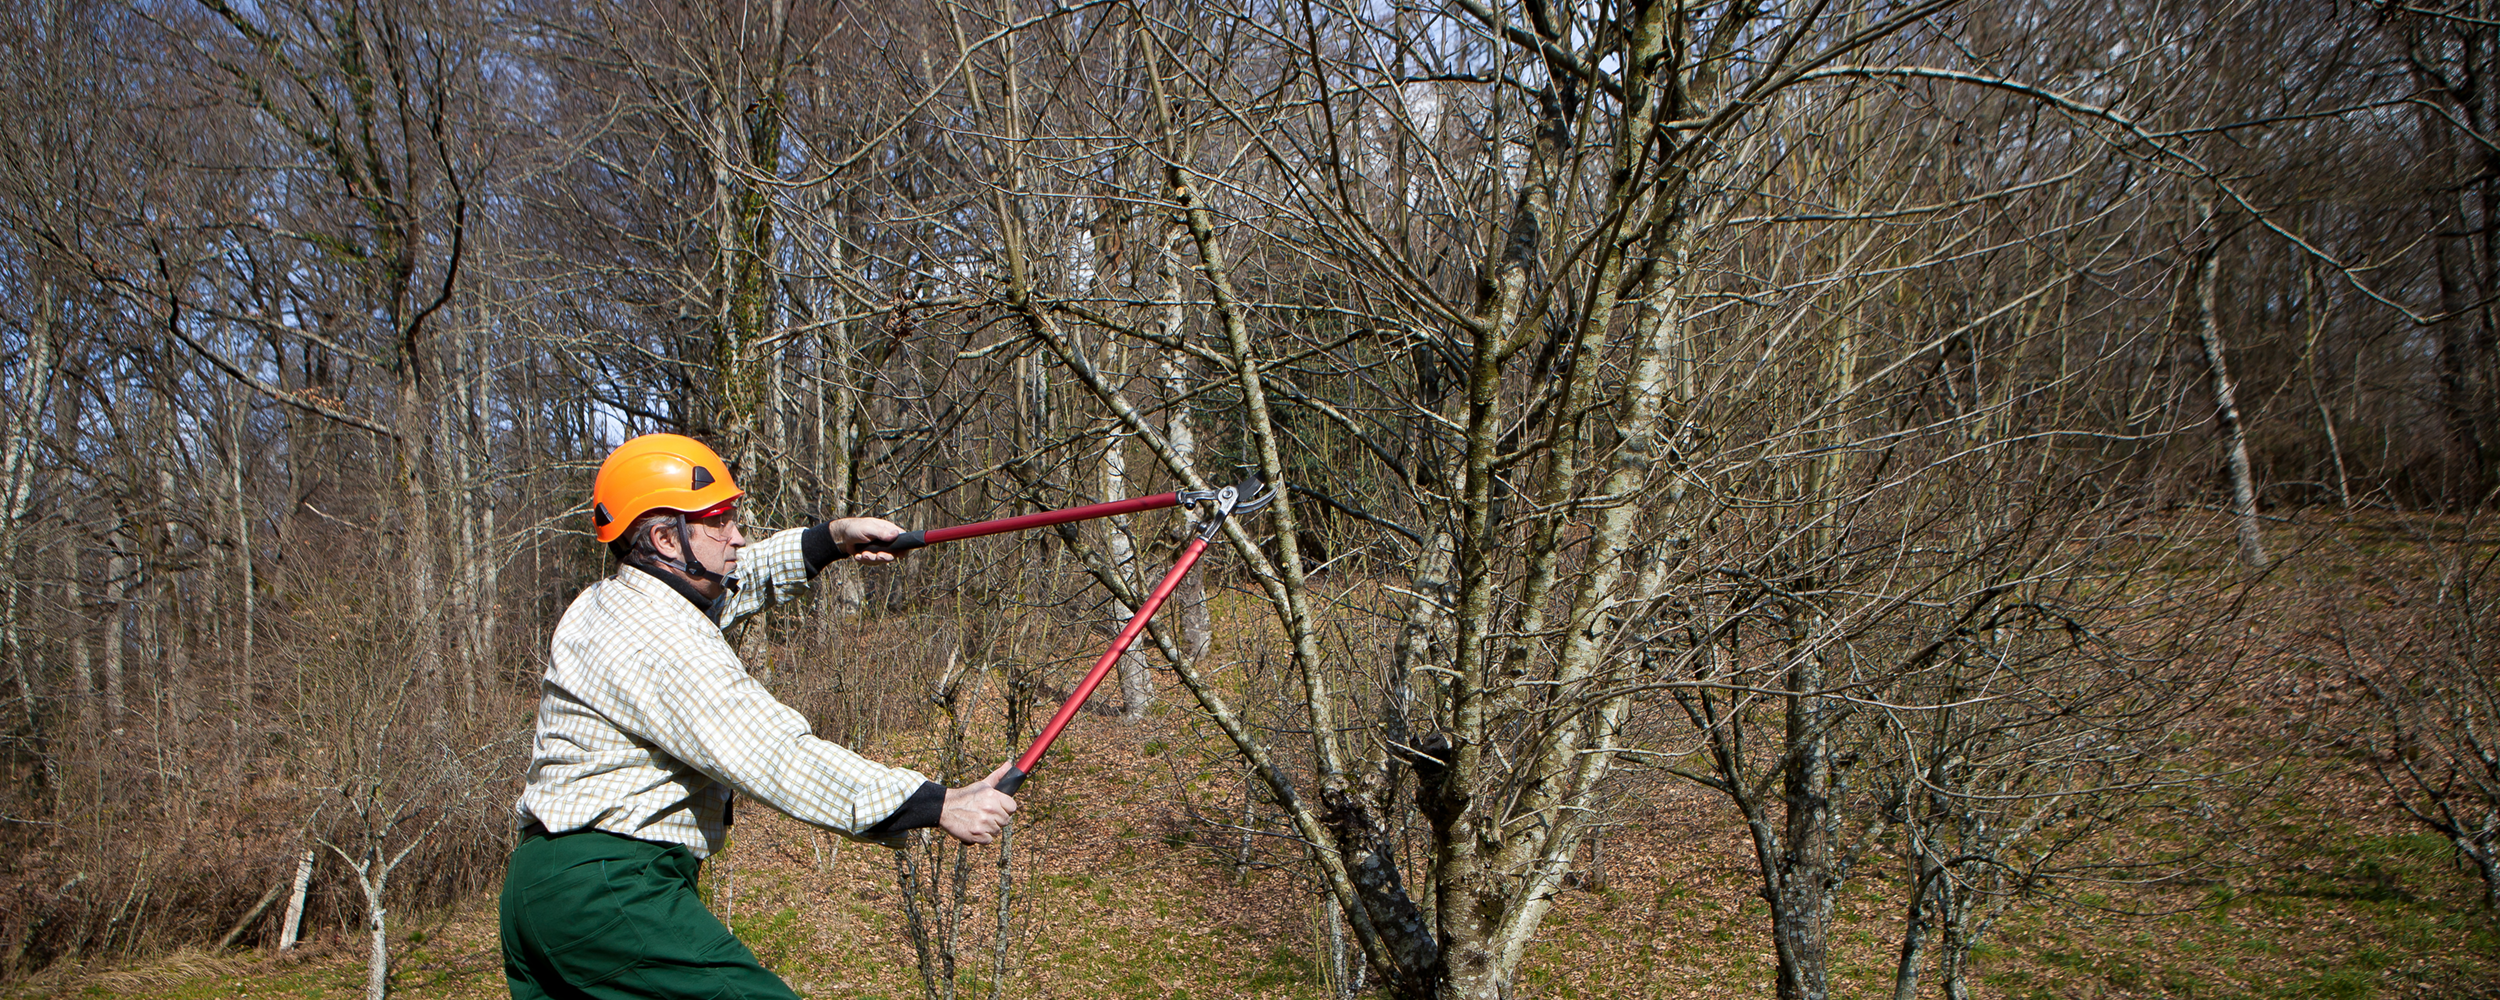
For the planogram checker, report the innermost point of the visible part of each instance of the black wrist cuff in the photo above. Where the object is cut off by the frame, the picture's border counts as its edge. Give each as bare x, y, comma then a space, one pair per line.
920, 810
817, 546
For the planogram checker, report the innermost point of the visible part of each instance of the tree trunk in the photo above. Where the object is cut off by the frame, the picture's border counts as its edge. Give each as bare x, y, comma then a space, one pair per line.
2459, 408
2317, 394
2487, 864
1913, 947
117, 570
2226, 400
2463, 222
838, 432
1197, 628
377, 922
293, 924
239, 410
1931, 909
81, 663
16, 464
474, 524
746, 147
1952, 967
1332, 949
785, 487
245, 922
1137, 683
1801, 896
416, 564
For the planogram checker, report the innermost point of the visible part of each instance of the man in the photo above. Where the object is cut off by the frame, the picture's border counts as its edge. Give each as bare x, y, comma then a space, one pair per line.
647, 726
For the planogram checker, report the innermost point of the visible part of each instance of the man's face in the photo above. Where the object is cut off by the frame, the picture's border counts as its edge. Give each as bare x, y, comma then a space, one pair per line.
716, 539
714, 535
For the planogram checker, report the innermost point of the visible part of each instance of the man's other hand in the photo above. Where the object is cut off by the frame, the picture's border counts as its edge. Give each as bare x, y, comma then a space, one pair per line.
975, 813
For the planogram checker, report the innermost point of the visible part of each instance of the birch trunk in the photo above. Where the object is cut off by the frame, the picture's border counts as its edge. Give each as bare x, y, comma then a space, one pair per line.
2226, 398
1137, 684
416, 531
293, 925
173, 631
1190, 598
476, 522
240, 411
16, 464
378, 926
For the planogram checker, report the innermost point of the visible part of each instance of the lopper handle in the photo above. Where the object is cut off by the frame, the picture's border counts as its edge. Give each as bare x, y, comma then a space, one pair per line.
1085, 689
904, 542
910, 540
1010, 781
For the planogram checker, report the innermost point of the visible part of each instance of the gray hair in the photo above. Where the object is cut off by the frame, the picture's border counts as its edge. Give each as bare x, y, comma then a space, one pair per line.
635, 548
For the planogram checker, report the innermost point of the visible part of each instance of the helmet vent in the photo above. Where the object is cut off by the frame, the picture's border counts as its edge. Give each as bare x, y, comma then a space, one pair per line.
702, 477
599, 516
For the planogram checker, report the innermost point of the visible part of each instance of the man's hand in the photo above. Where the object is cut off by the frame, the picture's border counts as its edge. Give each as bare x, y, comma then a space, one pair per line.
852, 532
974, 813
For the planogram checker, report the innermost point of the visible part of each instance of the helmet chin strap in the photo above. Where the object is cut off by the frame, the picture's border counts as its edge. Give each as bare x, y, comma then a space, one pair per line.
688, 564
693, 569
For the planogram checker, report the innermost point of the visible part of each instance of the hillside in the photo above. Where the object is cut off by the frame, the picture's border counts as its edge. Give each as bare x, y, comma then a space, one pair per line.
1119, 892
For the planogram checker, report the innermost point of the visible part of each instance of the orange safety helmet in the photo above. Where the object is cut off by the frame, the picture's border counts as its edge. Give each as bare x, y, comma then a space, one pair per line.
657, 472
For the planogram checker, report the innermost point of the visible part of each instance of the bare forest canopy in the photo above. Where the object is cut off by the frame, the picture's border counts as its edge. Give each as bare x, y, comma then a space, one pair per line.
1809, 400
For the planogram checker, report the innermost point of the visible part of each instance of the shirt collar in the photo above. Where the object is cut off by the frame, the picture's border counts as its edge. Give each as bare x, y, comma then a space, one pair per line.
656, 586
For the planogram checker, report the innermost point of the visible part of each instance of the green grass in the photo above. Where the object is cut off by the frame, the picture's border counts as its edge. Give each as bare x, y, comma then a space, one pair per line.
777, 940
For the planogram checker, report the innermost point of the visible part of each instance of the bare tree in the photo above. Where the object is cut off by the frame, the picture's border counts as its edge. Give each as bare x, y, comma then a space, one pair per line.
368, 97
1650, 390
392, 788
2433, 698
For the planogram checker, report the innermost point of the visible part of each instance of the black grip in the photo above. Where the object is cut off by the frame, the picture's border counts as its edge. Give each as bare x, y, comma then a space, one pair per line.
904, 542
1010, 781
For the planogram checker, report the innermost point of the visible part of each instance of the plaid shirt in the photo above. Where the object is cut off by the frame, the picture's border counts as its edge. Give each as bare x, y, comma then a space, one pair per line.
648, 720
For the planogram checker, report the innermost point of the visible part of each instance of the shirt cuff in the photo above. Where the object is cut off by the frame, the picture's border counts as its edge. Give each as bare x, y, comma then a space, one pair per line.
816, 545
920, 810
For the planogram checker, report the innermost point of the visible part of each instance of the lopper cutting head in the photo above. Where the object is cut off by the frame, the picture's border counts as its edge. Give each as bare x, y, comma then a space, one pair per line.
1246, 496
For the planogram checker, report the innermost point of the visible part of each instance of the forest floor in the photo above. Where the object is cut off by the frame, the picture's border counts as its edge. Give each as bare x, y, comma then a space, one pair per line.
1119, 891
1129, 879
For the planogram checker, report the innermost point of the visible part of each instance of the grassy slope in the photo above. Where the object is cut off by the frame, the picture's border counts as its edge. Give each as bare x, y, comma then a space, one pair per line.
1121, 892
1114, 901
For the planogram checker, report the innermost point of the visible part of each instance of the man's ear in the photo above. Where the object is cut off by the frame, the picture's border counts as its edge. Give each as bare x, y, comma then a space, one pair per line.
664, 541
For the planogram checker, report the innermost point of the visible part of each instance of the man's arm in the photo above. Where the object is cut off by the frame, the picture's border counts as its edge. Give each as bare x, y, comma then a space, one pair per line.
673, 682
668, 679
841, 539
781, 566
972, 814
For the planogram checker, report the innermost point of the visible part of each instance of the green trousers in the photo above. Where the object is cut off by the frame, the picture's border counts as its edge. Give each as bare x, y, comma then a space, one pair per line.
596, 916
